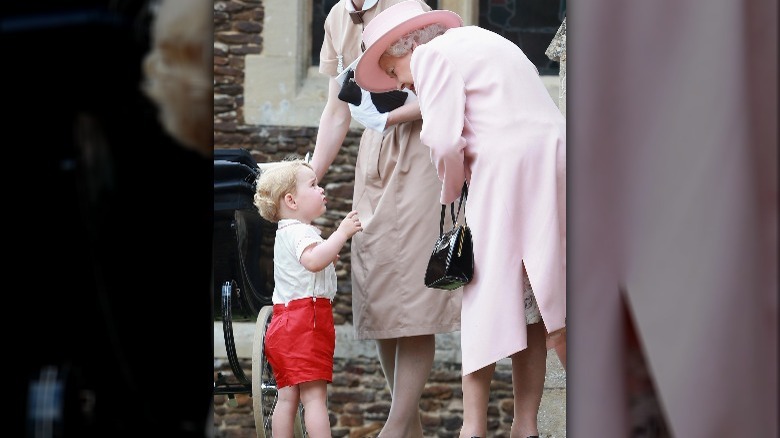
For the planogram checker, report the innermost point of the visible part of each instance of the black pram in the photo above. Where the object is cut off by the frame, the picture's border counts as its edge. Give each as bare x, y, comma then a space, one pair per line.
243, 268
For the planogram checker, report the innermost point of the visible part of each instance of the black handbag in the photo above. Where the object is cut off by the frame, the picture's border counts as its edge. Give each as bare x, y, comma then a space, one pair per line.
388, 101
451, 264
384, 102
350, 91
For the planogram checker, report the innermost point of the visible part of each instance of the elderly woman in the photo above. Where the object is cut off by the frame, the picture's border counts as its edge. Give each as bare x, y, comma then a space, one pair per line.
488, 120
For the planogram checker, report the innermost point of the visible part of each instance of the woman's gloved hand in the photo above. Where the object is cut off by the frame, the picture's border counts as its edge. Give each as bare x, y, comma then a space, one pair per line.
367, 114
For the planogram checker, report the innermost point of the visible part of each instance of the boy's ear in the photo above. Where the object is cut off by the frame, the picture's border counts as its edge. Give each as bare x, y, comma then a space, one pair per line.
289, 200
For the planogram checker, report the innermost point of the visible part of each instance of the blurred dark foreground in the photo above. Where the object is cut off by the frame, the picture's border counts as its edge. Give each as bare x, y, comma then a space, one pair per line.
109, 233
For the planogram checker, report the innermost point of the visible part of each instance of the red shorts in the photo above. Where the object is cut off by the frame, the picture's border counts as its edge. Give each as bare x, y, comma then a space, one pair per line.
300, 342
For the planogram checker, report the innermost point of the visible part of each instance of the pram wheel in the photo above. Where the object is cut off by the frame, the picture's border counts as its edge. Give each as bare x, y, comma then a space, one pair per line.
264, 390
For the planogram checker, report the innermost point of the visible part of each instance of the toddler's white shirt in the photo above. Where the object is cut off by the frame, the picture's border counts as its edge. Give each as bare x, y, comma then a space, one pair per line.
292, 280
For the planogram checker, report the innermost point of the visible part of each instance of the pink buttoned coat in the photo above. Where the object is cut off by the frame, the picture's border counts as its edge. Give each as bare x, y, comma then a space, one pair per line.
488, 119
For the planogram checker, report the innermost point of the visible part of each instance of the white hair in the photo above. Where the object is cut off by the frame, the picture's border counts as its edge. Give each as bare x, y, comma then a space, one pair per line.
420, 36
178, 71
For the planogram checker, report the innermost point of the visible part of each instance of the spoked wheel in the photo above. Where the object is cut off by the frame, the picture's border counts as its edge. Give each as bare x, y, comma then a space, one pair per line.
264, 390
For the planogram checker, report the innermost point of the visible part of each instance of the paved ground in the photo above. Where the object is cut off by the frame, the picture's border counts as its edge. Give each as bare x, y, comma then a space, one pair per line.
552, 413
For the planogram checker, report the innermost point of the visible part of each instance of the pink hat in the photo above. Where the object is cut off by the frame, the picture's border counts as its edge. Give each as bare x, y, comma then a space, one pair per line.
387, 28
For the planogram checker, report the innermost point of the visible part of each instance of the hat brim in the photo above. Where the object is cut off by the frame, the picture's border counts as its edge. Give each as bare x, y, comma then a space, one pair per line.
369, 76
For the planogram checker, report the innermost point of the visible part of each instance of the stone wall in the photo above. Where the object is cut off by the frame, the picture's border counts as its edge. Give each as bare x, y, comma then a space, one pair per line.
358, 401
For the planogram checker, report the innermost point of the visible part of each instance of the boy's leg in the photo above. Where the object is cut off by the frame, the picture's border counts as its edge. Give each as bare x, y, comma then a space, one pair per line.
286, 407
314, 396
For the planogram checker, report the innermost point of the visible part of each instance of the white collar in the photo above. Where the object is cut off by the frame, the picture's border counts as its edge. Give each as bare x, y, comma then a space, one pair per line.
284, 223
368, 4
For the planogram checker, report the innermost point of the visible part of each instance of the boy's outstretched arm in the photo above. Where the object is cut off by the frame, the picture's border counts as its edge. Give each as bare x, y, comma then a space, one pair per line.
317, 256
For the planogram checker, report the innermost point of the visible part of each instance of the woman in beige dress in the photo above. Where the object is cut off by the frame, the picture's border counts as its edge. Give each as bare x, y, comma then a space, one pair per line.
397, 197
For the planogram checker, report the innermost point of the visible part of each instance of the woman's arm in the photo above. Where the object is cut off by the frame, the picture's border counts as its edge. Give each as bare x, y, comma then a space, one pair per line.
442, 95
334, 125
404, 113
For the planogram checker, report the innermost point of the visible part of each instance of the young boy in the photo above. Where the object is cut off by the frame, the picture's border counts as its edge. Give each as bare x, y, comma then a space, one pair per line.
301, 337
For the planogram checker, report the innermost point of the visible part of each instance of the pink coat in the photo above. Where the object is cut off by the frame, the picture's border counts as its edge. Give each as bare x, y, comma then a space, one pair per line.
488, 118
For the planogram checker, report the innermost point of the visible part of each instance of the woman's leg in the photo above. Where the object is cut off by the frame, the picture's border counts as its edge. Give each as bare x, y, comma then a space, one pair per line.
284, 412
314, 396
386, 349
528, 370
413, 363
476, 394
557, 340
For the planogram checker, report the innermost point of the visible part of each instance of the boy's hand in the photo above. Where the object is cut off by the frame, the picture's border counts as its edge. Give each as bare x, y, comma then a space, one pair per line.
351, 224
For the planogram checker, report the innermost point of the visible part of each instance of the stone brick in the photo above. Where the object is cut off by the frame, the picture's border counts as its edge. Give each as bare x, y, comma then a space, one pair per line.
437, 391
366, 431
228, 139
507, 406
430, 405
430, 421
243, 419
350, 420
221, 20
343, 396
233, 38
345, 381
225, 127
227, 71
243, 400
248, 49
223, 101
339, 432
229, 89
248, 26
451, 422
229, 6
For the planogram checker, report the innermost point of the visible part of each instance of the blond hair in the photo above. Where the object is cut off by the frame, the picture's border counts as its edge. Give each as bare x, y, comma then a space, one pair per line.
273, 183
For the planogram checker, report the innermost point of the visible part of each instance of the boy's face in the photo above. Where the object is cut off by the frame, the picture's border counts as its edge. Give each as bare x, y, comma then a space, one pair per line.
309, 196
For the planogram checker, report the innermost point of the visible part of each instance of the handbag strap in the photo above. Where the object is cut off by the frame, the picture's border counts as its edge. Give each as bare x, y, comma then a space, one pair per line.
464, 193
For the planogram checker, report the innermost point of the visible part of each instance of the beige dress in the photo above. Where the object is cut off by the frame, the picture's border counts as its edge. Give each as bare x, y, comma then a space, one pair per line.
397, 198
